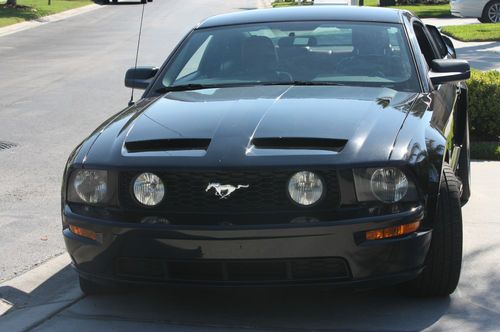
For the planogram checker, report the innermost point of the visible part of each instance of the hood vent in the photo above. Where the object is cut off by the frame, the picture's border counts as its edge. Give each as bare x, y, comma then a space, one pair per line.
178, 144
300, 143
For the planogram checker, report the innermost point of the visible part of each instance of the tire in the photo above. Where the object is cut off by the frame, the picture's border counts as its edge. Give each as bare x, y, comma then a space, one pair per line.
89, 287
444, 260
491, 13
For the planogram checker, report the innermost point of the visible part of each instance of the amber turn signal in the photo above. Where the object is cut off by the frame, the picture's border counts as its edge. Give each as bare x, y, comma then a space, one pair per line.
394, 231
83, 232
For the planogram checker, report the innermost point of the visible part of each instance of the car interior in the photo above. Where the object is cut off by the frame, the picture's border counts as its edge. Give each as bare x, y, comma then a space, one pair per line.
357, 53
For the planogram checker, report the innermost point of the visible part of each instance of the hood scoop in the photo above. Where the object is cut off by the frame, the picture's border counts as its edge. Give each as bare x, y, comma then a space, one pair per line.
299, 143
160, 145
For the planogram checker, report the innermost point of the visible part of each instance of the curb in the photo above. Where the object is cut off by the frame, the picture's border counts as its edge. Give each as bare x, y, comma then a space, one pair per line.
37, 295
8, 30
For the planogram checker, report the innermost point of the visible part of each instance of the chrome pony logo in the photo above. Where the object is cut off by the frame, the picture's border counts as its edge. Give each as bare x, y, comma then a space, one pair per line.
224, 190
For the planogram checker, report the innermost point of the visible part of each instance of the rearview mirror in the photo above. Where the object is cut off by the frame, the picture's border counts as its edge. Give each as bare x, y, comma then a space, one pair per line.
449, 70
140, 77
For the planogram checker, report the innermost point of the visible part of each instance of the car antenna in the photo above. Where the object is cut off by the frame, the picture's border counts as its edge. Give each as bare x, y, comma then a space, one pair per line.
131, 102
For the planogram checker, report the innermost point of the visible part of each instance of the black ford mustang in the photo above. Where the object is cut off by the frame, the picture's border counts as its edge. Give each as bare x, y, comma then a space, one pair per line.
288, 146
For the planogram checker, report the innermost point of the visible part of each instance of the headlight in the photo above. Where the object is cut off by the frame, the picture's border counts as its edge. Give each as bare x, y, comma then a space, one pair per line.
149, 189
88, 186
388, 185
305, 188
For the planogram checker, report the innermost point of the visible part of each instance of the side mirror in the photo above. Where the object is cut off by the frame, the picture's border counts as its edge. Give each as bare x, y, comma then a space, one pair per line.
449, 70
140, 77
450, 46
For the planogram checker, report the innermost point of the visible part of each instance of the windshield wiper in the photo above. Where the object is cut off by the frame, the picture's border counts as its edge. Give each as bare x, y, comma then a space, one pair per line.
186, 87
197, 86
305, 83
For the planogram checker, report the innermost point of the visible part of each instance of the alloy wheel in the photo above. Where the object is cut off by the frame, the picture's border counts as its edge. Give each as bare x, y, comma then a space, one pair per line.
494, 13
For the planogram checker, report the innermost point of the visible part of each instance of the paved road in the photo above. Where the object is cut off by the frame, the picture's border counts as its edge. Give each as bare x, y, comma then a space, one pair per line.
58, 82
48, 298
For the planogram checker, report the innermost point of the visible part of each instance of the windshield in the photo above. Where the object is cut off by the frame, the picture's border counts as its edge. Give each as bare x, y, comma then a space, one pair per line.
346, 53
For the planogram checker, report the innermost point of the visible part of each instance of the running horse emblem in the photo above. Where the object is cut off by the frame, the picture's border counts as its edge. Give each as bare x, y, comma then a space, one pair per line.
224, 190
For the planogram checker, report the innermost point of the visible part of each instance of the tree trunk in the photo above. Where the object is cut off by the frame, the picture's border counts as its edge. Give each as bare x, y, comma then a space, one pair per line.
11, 2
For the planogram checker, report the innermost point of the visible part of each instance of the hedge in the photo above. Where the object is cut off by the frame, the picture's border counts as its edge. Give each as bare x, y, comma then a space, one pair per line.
485, 150
484, 105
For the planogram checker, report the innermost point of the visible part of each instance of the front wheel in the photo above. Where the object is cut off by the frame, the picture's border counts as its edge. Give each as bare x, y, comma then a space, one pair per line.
491, 13
444, 260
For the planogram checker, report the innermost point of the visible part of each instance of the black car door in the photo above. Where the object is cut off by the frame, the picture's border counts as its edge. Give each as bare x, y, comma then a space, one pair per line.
444, 96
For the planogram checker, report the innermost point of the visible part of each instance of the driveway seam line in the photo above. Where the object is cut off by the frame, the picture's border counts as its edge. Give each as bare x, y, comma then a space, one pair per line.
45, 319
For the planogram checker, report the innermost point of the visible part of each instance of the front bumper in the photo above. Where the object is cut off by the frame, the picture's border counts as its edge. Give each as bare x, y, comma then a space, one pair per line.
461, 8
326, 253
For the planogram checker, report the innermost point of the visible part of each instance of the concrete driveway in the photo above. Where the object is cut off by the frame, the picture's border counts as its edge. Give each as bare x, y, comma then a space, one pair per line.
48, 299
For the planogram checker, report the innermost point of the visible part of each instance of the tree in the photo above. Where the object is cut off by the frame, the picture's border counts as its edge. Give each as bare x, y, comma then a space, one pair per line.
11, 3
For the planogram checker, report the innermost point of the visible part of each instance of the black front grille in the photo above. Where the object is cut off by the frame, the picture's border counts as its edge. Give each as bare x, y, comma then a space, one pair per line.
266, 192
236, 271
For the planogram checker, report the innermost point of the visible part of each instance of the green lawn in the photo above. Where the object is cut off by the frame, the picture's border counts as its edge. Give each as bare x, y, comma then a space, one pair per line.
474, 32
277, 4
422, 11
37, 9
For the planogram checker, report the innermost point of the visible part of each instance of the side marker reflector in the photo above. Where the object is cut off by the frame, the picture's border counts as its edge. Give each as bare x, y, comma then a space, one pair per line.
83, 232
394, 231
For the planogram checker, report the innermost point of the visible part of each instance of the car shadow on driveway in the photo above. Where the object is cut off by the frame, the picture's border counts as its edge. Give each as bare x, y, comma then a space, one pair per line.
473, 307
284, 308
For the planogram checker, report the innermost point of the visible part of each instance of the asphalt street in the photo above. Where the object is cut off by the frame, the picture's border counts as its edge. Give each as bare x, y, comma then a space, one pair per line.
58, 82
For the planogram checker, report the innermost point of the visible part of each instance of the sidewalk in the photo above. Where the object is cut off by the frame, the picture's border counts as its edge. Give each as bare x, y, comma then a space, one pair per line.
10, 29
441, 22
48, 298
481, 55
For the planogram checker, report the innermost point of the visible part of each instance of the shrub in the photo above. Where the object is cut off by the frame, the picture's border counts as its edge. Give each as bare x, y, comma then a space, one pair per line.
484, 105
485, 150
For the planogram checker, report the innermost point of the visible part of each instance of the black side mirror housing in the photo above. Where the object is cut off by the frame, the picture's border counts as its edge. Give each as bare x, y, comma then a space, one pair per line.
140, 77
449, 70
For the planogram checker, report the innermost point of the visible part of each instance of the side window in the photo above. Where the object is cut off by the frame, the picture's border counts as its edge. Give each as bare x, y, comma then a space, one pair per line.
424, 43
438, 40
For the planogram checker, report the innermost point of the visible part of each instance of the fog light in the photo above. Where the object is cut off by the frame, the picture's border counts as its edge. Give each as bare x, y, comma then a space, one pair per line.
305, 188
393, 231
149, 189
83, 232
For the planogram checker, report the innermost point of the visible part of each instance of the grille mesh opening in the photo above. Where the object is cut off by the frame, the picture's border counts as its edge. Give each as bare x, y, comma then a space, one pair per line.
234, 271
266, 192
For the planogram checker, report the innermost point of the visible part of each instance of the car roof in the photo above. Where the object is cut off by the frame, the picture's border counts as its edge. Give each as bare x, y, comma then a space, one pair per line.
306, 13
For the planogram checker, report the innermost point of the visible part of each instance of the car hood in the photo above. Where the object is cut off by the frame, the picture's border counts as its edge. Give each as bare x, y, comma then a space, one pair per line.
221, 127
